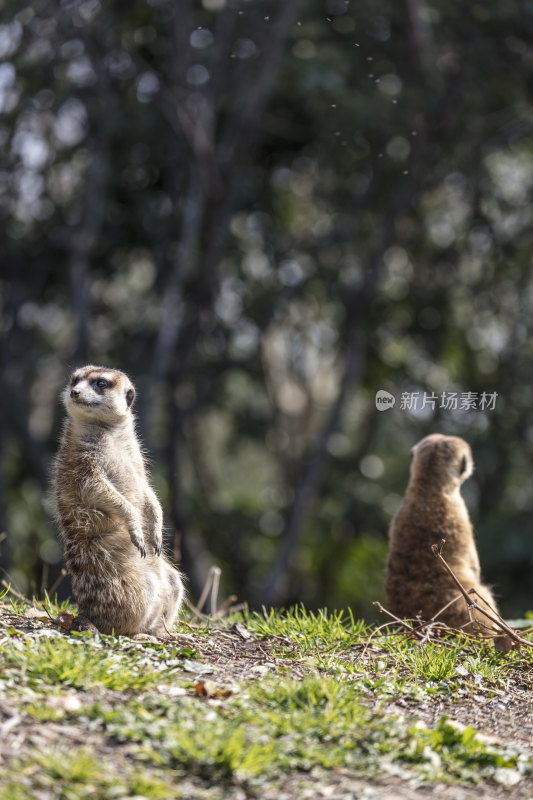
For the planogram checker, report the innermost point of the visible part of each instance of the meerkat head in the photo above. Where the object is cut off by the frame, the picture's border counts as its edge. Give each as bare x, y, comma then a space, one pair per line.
444, 461
98, 394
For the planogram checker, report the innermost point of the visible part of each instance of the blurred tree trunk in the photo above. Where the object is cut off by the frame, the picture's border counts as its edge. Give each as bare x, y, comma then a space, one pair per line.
274, 590
7, 322
357, 302
217, 161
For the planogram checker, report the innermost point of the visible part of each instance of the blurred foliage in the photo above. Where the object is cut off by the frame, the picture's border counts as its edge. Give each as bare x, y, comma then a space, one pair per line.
265, 212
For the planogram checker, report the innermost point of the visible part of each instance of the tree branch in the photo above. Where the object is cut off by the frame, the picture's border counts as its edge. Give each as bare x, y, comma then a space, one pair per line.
471, 603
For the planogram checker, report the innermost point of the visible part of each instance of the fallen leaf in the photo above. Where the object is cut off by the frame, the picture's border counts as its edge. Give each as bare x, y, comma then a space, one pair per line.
210, 689
204, 688
64, 620
241, 631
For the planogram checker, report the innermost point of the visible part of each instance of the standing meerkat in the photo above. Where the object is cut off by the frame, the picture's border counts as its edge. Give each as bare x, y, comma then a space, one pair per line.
433, 509
110, 520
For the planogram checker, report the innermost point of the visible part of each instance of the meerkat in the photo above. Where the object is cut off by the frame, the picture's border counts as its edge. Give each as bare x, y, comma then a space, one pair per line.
109, 518
433, 509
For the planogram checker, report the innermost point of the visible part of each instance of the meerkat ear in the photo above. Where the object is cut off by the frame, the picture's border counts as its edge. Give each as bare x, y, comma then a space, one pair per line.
130, 396
462, 465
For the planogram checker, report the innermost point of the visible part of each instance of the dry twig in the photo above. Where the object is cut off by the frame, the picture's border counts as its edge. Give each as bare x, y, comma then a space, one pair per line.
422, 629
472, 604
53, 588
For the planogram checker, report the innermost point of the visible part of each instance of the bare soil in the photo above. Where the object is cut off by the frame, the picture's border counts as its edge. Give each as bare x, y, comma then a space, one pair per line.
229, 660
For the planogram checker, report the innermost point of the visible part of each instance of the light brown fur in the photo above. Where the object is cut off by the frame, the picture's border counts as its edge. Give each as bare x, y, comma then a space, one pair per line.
110, 520
433, 509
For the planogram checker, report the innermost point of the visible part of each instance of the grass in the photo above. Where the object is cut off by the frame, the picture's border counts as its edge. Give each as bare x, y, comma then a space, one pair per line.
389, 664
431, 661
81, 775
308, 694
80, 662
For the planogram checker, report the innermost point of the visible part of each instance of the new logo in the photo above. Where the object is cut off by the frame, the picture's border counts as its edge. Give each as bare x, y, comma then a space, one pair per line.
384, 400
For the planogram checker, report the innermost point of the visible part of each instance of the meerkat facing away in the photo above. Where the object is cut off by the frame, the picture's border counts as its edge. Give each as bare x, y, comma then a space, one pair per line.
433, 509
110, 520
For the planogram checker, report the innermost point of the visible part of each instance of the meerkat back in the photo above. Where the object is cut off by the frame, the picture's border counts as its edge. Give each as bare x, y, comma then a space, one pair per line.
433, 509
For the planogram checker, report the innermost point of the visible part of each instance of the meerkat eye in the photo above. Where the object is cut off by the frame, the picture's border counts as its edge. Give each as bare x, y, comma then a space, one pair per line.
74, 381
101, 383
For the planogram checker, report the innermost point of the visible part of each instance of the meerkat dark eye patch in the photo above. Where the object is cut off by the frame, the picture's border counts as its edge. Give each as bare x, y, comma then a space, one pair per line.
130, 396
75, 380
100, 385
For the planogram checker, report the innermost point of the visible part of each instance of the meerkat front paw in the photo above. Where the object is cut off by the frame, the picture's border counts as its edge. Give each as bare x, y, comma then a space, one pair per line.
157, 541
154, 522
137, 538
154, 536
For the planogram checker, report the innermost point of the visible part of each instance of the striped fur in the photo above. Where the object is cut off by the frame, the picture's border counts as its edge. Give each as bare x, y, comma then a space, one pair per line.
109, 518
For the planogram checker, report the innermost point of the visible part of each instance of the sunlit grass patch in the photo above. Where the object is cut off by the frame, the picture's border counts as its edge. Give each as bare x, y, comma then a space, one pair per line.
81, 662
76, 775
447, 664
318, 697
281, 726
270, 732
274, 726
318, 637
386, 660
490, 666
430, 661
455, 752
309, 628
53, 606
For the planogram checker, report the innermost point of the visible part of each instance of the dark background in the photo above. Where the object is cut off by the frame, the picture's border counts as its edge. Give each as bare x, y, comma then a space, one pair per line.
265, 212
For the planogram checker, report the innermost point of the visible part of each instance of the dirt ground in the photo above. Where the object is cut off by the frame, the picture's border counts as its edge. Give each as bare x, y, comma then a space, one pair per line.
228, 659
